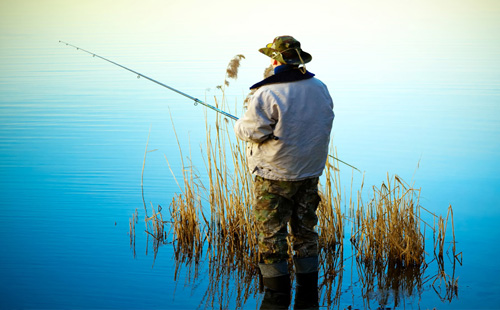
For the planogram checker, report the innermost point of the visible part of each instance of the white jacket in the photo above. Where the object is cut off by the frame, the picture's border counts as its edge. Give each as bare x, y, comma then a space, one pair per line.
287, 127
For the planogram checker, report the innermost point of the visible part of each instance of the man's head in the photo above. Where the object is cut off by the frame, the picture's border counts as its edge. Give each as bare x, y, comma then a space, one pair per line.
286, 50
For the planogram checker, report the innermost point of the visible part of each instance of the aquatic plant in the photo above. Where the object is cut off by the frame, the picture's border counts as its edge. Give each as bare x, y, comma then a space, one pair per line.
232, 70
233, 66
450, 282
185, 212
212, 218
388, 227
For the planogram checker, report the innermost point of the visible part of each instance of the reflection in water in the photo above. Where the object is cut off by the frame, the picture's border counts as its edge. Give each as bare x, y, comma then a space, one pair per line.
450, 290
331, 266
155, 228
226, 280
387, 243
386, 279
234, 276
387, 283
133, 220
391, 265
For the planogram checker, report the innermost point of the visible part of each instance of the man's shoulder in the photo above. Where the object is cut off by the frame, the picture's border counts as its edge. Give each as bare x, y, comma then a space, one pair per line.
284, 77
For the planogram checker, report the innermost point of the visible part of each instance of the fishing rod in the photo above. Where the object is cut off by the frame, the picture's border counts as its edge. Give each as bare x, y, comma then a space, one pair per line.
344, 163
196, 100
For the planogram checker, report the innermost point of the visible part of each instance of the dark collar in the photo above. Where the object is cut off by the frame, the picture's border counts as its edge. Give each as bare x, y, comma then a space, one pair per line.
284, 74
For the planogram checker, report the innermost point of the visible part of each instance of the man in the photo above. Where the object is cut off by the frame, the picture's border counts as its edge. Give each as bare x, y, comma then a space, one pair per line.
287, 126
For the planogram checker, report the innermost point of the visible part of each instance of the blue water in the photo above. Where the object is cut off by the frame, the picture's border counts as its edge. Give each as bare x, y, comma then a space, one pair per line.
73, 132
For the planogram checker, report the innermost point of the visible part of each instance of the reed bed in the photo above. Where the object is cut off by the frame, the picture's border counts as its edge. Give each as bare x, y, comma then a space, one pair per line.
227, 235
330, 217
232, 229
186, 214
388, 227
331, 233
212, 219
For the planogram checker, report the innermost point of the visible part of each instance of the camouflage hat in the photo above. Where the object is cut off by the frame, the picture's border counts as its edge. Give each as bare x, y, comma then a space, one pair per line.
286, 49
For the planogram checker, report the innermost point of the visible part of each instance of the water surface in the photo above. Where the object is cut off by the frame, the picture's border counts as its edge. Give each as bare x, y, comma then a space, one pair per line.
73, 132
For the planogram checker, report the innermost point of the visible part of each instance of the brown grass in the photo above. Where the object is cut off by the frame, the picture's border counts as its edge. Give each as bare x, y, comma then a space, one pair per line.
232, 69
215, 221
388, 227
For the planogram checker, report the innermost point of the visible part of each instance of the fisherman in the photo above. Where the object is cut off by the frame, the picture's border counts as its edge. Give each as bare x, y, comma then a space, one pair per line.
287, 126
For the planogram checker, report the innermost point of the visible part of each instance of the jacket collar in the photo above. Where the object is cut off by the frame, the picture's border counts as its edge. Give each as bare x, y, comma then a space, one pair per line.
284, 74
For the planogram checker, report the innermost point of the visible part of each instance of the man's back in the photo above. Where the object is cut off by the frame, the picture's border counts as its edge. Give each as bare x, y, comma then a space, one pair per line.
300, 115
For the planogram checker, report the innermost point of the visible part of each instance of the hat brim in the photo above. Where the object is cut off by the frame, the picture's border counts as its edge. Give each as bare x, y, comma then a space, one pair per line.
295, 60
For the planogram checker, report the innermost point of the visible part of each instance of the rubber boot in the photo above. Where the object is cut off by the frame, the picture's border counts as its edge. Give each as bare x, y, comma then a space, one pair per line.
276, 292
306, 293
306, 273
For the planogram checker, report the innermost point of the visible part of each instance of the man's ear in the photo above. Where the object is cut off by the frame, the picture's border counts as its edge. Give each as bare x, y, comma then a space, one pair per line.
274, 62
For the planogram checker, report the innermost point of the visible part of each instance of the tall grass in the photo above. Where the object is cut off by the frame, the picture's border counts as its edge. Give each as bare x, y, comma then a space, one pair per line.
216, 219
388, 227
213, 219
186, 213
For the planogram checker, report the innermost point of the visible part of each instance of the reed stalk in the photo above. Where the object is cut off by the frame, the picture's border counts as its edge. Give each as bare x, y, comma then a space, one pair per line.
185, 212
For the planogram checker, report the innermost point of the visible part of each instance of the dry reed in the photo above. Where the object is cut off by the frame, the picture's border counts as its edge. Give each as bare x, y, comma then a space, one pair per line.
185, 211
232, 69
330, 217
450, 282
388, 227
233, 66
387, 233
232, 230
228, 234
331, 233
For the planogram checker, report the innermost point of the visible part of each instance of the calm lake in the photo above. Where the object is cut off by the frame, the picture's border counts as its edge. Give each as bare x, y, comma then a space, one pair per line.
73, 133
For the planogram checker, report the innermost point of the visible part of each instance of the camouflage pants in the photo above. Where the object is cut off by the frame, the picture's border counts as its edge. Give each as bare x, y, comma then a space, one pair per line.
278, 203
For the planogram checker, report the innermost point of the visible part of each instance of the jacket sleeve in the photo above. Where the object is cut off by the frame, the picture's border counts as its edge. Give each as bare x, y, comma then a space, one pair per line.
258, 122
